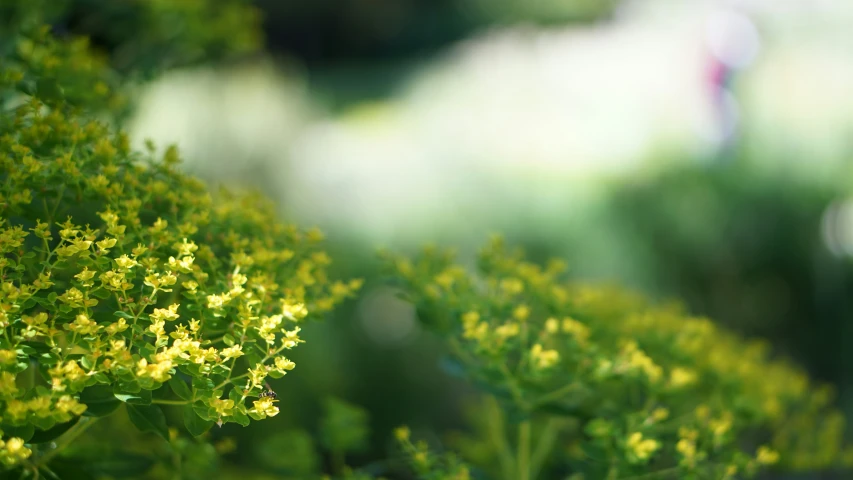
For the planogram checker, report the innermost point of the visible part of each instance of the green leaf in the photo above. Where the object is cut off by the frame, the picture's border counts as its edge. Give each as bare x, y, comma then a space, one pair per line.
203, 385
142, 397
148, 418
25, 431
100, 400
203, 411
228, 339
196, 425
123, 315
241, 418
102, 293
44, 423
181, 389
44, 436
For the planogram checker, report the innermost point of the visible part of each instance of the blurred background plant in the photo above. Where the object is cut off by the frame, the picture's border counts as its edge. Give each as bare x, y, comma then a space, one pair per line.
696, 151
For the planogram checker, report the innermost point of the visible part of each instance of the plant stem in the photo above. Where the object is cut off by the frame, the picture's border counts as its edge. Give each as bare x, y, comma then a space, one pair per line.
497, 432
524, 450
170, 402
66, 439
544, 446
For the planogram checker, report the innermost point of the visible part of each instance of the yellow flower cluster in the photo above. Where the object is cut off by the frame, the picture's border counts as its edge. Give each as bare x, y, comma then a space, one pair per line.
119, 270
642, 372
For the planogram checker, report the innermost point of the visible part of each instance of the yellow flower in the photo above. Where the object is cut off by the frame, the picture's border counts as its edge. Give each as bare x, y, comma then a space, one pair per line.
766, 456
578, 330
126, 263
159, 372
640, 448
182, 264
521, 312
264, 408
17, 409
15, 450
117, 327
291, 338
507, 330
233, 351
722, 425
681, 377
217, 301
157, 328
69, 404
402, 433
223, 407
85, 275
543, 359
166, 314
282, 363
7, 356
106, 244
7, 384
552, 326
293, 311
83, 325
185, 248
660, 414
687, 449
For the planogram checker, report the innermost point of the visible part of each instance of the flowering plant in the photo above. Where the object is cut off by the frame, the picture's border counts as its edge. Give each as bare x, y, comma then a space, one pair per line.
599, 383
126, 283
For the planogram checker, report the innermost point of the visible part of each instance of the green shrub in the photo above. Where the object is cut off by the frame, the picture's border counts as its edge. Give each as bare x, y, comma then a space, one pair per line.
600, 384
121, 275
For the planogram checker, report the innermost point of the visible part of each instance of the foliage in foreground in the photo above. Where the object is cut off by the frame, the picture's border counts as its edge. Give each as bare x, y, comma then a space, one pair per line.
598, 383
121, 275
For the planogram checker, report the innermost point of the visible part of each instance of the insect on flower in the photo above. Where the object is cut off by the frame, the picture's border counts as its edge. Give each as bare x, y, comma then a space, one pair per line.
268, 393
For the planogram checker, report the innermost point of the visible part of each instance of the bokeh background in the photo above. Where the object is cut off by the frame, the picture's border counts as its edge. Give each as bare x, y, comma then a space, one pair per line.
695, 150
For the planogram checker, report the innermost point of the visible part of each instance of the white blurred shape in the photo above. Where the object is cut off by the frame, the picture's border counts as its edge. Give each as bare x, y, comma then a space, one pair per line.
387, 320
733, 38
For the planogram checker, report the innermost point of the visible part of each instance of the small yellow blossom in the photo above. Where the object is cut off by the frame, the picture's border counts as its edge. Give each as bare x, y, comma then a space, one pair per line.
508, 330
283, 364
264, 408
681, 377
543, 359
552, 326
126, 263
166, 314
293, 311
521, 312
639, 448
402, 433
232, 352
83, 325
578, 330
766, 456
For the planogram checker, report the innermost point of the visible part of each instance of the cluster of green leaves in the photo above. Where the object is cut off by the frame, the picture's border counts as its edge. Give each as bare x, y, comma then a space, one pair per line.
146, 36
47, 46
119, 274
598, 383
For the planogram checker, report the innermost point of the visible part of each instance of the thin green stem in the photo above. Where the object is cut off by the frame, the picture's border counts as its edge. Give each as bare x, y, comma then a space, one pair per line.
170, 402
498, 435
557, 394
544, 446
81, 426
524, 450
